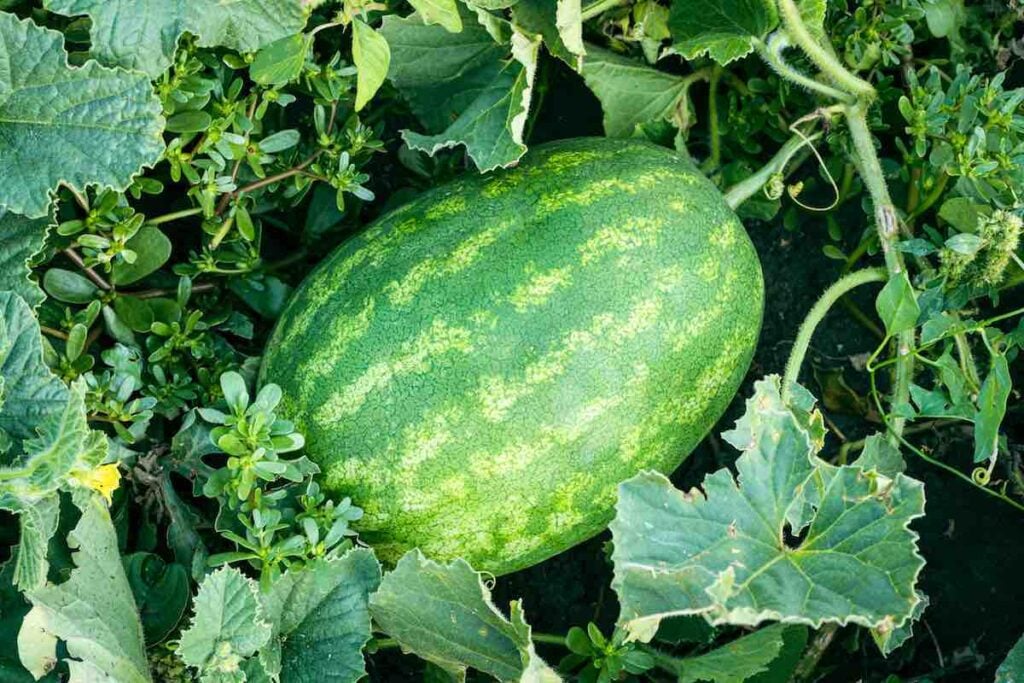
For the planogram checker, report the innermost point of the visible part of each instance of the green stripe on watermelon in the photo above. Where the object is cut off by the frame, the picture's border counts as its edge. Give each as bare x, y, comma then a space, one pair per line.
482, 367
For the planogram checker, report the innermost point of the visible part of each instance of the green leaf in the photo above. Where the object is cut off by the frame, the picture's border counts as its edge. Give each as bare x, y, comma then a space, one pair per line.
631, 93
280, 62
723, 551
227, 627
462, 87
794, 640
92, 612
152, 248
897, 305
1012, 668
889, 640
735, 662
68, 286
23, 239
881, 456
320, 619
558, 22
188, 122
995, 391
50, 439
945, 18
80, 126
962, 213
161, 593
372, 57
143, 34
442, 12
13, 608
724, 29
444, 614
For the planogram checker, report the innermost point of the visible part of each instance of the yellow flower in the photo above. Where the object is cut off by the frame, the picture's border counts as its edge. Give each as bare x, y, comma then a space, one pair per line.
104, 480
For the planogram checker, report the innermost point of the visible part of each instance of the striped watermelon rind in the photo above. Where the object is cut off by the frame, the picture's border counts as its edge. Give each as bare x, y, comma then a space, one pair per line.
481, 367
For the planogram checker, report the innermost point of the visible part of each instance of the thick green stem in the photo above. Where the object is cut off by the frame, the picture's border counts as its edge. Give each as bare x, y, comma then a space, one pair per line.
887, 224
817, 314
751, 185
772, 53
822, 58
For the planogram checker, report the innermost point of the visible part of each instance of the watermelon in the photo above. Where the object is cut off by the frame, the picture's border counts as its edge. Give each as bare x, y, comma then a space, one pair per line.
481, 367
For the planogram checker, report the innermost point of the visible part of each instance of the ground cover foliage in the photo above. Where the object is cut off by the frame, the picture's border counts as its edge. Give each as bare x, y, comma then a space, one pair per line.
169, 171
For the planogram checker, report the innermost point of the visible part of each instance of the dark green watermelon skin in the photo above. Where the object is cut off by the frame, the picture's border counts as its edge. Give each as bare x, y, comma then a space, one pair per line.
481, 367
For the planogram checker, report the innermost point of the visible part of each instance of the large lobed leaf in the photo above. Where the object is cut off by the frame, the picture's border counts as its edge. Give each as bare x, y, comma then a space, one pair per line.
444, 614
22, 239
92, 613
463, 87
143, 34
320, 619
80, 126
631, 93
724, 29
227, 628
48, 437
729, 552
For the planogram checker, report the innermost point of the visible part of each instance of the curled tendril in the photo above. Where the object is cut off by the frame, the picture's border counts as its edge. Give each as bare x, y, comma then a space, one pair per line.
795, 190
775, 186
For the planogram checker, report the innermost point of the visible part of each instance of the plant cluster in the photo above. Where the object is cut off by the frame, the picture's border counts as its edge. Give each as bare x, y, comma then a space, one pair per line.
169, 174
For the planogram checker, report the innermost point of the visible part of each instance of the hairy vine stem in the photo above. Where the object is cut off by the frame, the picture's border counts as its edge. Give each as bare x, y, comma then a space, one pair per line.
866, 159
817, 314
752, 184
822, 57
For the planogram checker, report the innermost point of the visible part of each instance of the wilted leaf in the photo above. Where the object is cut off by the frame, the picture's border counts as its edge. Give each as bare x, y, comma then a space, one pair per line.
92, 612
143, 34
320, 619
444, 614
463, 87
792, 538
81, 126
631, 93
724, 29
